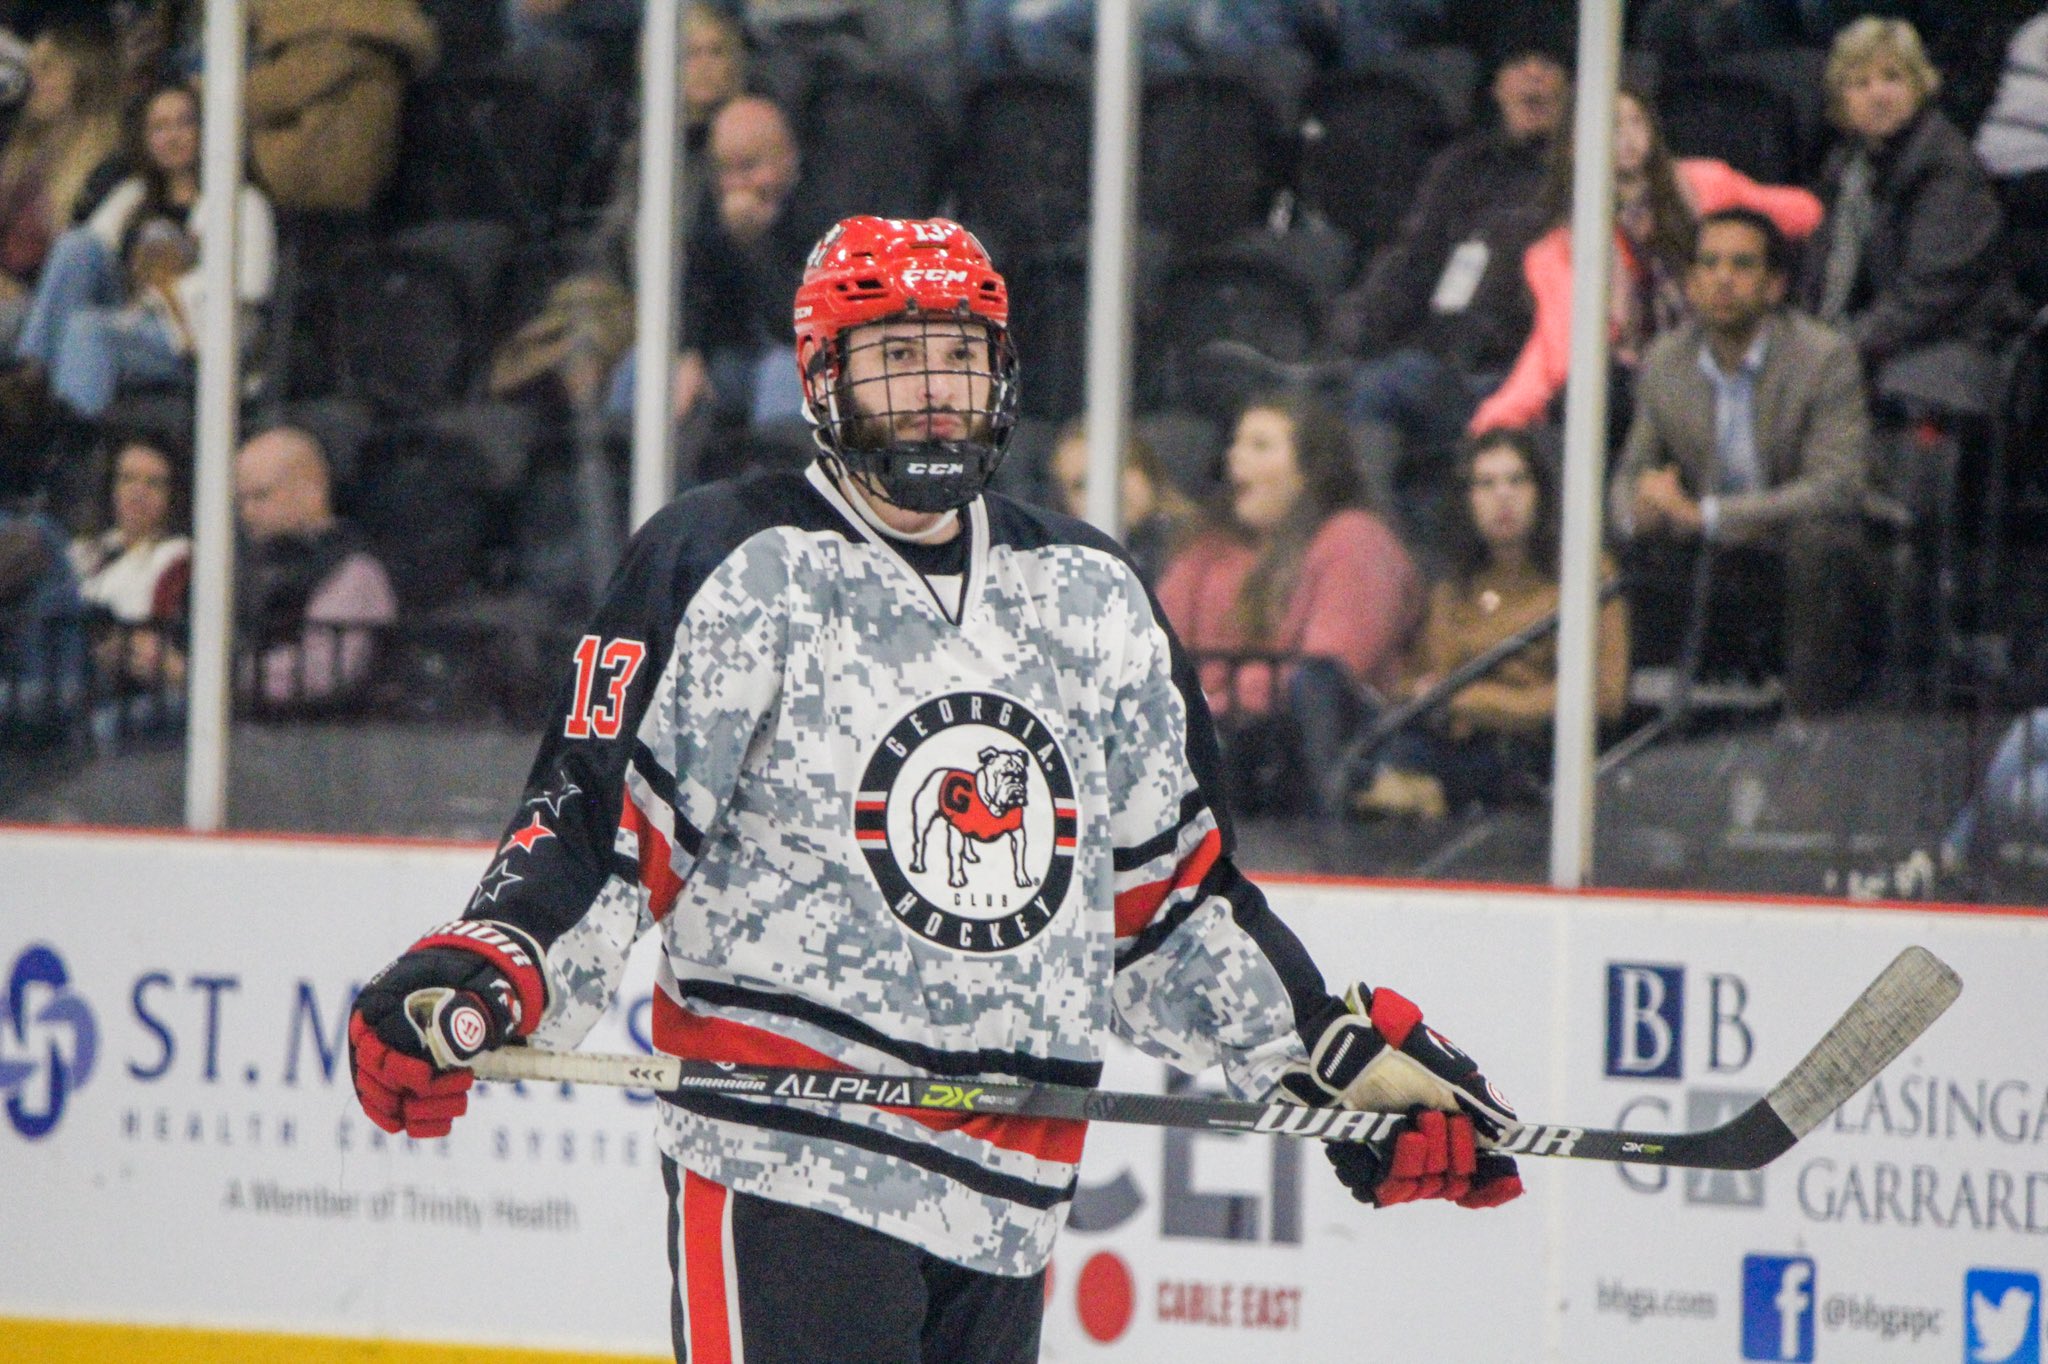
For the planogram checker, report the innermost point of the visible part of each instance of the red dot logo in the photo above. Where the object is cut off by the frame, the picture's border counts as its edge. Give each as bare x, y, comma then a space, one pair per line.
1105, 1296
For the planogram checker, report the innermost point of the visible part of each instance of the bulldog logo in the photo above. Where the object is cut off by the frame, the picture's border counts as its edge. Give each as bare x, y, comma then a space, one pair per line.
975, 807
957, 774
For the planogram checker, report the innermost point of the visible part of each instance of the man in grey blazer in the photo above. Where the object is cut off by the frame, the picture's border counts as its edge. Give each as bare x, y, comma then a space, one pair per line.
1751, 437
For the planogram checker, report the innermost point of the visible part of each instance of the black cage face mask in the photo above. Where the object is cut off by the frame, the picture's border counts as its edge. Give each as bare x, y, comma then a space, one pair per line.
922, 408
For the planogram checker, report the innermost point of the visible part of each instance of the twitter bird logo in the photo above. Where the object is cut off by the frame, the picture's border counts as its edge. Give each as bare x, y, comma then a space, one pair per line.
2002, 1308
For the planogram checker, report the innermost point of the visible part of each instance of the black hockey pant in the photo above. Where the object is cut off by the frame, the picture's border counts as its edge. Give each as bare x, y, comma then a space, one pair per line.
760, 1282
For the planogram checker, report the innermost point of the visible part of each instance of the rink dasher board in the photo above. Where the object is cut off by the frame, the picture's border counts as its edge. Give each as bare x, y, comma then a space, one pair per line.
217, 1114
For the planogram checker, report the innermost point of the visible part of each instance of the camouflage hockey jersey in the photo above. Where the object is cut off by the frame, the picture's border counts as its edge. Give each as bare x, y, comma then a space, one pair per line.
874, 836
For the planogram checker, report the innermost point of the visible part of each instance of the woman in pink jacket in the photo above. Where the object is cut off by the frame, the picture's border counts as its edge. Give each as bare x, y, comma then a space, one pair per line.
1658, 199
1293, 564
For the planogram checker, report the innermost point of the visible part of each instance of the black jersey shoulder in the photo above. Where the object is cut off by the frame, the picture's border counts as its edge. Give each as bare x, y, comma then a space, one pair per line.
1023, 525
685, 541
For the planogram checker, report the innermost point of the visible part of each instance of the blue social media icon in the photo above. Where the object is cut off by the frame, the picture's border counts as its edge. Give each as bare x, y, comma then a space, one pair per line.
1777, 1307
2001, 1317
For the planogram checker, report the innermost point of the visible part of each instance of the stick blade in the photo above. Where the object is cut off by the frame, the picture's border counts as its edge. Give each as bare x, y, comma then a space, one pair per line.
1896, 1008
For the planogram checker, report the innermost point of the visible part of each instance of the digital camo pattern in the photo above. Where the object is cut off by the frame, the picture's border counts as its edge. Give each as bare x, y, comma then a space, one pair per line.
795, 662
585, 963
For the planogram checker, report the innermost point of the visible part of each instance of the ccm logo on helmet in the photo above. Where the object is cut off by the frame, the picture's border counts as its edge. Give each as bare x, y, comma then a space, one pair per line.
928, 275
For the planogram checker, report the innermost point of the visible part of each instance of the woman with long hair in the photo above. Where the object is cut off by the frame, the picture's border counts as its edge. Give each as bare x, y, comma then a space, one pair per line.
1493, 742
136, 572
1295, 564
161, 140
1659, 199
69, 127
121, 293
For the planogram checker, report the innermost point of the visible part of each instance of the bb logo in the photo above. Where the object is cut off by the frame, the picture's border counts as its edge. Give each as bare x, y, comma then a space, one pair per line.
1646, 1008
966, 818
50, 1041
1777, 1307
2002, 1317
1645, 1020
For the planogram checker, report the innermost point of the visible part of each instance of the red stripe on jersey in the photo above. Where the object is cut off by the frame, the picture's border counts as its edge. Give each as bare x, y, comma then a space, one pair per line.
679, 1032
1136, 906
663, 885
704, 1269
882, 804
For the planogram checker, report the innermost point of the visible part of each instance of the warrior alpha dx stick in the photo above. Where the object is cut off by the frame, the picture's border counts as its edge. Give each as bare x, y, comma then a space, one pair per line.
1894, 1010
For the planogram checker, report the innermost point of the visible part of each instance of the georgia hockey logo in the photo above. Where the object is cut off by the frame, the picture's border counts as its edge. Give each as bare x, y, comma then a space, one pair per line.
966, 818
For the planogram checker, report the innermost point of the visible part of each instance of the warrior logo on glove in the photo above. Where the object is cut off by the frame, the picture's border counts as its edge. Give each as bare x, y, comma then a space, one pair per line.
966, 817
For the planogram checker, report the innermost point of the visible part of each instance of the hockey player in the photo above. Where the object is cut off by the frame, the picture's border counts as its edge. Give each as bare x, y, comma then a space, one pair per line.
908, 777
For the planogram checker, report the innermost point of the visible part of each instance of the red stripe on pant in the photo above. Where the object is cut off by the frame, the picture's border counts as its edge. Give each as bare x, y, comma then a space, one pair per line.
705, 1270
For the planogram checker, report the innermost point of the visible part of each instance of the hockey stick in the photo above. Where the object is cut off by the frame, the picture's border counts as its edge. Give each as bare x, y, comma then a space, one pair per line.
1894, 1010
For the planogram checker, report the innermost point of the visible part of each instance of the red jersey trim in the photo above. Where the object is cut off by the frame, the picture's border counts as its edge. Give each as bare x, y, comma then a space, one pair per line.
1136, 907
663, 885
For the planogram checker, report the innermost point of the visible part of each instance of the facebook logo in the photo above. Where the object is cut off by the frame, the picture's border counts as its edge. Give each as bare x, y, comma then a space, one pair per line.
2001, 1317
1645, 1021
1777, 1307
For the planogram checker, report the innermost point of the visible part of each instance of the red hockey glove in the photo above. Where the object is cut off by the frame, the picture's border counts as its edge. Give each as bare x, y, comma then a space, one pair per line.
470, 985
1378, 1055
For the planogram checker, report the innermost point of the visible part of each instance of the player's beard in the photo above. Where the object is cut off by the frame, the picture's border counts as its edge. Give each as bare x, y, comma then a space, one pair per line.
866, 431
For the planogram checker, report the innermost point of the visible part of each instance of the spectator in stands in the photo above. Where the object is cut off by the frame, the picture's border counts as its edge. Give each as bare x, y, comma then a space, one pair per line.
1909, 262
585, 326
41, 640
136, 572
69, 128
2012, 142
2005, 820
325, 93
1295, 564
745, 258
1441, 310
714, 69
307, 588
1657, 202
1157, 517
1493, 742
121, 296
1178, 36
1751, 438
2013, 138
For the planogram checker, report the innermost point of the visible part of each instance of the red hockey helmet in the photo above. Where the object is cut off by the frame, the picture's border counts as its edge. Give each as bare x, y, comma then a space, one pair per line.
929, 272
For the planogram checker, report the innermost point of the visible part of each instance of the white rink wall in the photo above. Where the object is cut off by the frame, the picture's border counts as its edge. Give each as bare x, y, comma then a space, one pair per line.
179, 1144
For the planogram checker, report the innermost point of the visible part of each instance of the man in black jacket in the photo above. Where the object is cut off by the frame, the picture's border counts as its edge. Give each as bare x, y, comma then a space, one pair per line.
1441, 311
